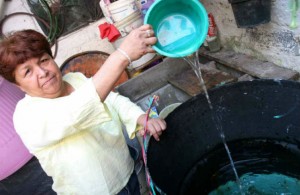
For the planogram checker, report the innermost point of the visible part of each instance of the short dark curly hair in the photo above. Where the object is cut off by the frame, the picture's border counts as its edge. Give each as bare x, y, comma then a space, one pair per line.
19, 47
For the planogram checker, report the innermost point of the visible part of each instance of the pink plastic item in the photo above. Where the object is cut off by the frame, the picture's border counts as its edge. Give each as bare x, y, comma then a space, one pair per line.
13, 153
145, 6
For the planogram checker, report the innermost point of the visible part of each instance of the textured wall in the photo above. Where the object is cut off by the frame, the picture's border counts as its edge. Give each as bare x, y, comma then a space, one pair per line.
274, 41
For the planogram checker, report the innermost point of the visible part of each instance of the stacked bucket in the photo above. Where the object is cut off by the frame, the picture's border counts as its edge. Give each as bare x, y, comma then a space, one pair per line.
125, 15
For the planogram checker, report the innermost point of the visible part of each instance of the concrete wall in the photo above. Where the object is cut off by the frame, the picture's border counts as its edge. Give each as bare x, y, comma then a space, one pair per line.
274, 42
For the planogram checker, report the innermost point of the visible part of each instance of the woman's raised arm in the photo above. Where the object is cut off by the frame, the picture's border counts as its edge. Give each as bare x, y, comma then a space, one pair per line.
134, 46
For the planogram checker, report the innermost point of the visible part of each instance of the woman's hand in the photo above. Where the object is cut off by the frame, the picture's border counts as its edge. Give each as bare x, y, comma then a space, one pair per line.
135, 45
155, 126
138, 42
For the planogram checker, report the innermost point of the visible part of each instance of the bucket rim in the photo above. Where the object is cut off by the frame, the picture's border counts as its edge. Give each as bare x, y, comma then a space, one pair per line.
194, 47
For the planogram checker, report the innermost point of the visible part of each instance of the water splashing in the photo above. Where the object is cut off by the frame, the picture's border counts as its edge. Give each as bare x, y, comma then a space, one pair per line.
193, 61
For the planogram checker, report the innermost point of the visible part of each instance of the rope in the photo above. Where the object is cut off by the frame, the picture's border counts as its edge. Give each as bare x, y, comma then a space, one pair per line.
151, 185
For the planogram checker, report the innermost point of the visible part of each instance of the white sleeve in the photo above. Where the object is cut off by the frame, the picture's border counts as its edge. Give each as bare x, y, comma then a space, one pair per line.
127, 111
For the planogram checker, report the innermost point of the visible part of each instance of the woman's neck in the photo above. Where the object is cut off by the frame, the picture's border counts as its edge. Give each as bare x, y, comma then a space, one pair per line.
67, 89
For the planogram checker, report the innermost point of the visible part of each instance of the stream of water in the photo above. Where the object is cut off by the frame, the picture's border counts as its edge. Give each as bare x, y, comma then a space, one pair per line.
193, 61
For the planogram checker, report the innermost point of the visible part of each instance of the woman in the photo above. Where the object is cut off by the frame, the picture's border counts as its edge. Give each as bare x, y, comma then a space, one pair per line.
73, 125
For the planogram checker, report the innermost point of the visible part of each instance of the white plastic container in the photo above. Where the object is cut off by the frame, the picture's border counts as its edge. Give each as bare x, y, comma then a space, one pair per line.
126, 16
118, 10
127, 24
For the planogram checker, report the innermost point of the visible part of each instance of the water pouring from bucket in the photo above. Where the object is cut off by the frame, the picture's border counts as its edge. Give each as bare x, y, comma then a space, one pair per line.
180, 26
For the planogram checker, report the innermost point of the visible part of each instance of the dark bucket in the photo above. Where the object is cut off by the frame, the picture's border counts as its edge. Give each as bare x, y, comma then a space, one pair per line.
250, 13
260, 120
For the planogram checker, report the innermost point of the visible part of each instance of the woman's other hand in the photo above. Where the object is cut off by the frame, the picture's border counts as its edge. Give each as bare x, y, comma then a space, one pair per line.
154, 126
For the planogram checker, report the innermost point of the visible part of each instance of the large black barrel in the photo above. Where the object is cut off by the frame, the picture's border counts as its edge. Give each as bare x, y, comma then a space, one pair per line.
260, 119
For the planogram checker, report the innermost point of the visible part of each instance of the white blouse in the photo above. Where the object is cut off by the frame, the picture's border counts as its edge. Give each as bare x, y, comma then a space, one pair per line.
78, 139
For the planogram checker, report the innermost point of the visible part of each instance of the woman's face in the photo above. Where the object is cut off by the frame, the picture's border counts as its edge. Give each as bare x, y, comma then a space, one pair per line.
40, 77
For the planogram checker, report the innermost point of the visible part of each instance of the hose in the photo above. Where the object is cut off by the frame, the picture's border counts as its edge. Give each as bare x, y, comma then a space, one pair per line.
54, 41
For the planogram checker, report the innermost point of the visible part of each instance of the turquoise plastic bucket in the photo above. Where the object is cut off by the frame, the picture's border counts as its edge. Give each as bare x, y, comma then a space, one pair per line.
180, 25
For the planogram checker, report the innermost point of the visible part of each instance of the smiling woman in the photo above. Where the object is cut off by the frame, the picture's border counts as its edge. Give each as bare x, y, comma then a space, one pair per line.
49, 83
73, 118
